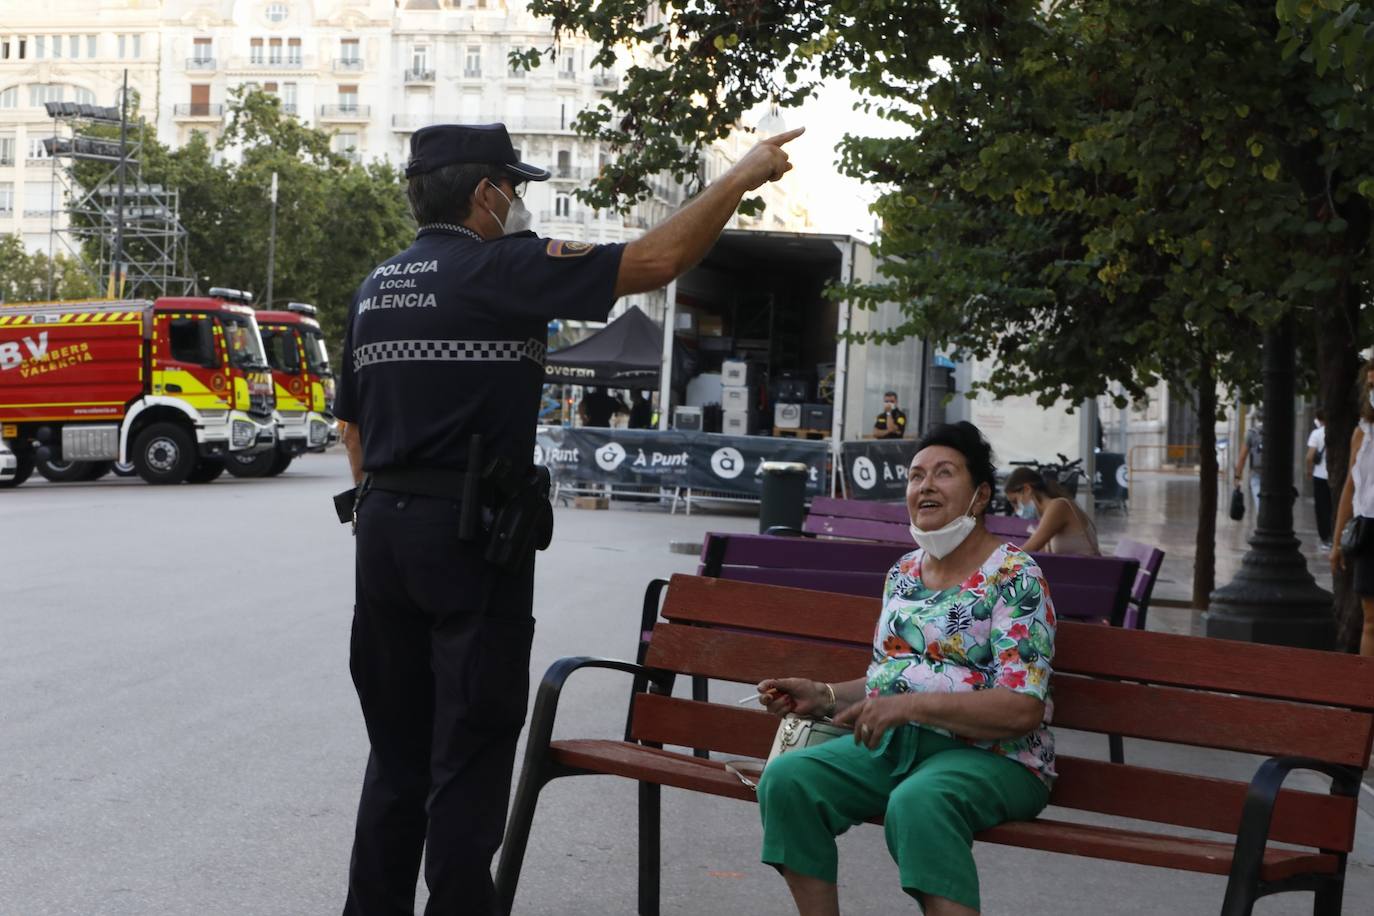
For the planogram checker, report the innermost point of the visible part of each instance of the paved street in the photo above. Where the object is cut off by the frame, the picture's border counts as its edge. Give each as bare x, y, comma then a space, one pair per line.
180, 735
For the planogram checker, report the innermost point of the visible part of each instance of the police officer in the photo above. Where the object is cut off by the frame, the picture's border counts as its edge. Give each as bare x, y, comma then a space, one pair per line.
446, 340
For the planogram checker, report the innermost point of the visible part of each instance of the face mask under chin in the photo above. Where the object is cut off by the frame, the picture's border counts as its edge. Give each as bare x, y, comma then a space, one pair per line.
943, 541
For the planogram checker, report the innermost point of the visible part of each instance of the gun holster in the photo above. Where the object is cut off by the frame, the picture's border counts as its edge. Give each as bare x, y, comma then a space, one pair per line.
522, 517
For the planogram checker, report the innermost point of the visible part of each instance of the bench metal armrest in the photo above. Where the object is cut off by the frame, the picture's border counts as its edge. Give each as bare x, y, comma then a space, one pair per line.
788, 531
1258, 812
551, 689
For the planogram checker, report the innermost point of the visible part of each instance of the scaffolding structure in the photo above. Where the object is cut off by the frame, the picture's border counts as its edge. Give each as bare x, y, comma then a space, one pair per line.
126, 233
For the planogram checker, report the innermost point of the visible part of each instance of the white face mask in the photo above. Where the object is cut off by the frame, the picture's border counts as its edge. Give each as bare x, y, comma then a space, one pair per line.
517, 217
941, 542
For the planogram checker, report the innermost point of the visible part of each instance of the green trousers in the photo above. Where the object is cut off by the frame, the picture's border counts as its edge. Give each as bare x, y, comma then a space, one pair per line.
934, 793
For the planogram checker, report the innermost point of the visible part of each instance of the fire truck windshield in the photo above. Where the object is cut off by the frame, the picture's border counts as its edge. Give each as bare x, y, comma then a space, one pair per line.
282, 354
245, 344
316, 356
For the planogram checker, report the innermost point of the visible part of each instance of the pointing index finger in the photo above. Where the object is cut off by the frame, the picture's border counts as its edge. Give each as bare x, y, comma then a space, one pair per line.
785, 137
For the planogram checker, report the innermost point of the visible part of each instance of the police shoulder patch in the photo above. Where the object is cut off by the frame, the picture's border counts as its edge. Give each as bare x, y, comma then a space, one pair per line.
561, 248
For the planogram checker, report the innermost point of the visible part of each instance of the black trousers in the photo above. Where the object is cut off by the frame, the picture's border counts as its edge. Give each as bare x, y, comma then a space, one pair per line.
1321, 496
440, 658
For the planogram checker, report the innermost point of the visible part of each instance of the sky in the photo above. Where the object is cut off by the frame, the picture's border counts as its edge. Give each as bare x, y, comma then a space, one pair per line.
838, 204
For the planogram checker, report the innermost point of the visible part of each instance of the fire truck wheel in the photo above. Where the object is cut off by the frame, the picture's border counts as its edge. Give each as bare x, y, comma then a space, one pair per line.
206, 470
259, 465
63, 471
123, 469
282, 462
97, 469
164, 453
21, 473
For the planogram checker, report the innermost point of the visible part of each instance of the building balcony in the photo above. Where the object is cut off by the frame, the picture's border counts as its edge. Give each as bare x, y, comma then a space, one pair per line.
290, 108
419, 76
472, 73
348, 64
287, 64
606, 80
409, 123
567, 76
202, 64
192, 111
549, 216
345, 112
6, 161
573, 173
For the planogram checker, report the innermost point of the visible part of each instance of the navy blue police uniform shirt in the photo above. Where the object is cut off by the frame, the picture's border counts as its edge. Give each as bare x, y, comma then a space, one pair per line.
448, 338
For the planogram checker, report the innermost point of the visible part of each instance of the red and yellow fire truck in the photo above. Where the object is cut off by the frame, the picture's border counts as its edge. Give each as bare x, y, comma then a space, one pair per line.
172, 386
304, 391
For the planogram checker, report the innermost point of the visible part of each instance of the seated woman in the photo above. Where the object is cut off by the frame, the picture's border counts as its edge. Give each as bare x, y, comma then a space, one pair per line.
1063, 528
950, 723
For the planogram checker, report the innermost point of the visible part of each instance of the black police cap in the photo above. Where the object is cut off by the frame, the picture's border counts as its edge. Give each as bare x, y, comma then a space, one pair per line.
439, 145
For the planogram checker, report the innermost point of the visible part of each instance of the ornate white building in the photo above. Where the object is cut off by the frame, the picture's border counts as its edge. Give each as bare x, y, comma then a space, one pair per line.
369, 71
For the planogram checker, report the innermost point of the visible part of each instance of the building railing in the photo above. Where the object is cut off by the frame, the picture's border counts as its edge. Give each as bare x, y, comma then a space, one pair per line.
289, 108
255, 62
419, 76
348, 64
606, 80
472, 73
547, 216
201, 63
346, 112
198, 110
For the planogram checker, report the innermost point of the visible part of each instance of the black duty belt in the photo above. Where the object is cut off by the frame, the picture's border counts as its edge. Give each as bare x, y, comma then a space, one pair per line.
444, 483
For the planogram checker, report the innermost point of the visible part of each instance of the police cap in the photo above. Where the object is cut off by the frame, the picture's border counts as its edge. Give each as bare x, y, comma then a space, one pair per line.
439, 145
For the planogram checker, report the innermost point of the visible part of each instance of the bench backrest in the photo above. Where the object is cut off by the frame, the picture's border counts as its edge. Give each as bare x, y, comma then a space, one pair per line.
1208, 693
1084, 588
863, 520
1151, 560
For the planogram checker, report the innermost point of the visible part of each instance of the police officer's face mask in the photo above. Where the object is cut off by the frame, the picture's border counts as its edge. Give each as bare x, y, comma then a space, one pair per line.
517, 216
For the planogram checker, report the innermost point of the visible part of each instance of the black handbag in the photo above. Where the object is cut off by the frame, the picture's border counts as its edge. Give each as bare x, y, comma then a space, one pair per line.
1237, 505
1356, 536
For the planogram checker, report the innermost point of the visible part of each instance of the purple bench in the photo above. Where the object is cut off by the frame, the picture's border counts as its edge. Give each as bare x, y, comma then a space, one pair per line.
860, 520
1151, 559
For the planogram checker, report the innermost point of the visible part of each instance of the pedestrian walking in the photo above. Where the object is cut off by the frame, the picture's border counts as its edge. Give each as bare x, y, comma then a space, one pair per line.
443, 363
1252, 450
1316, 469
1357, 502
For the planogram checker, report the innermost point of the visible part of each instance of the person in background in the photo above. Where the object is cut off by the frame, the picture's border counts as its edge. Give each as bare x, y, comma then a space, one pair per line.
598, 407
891, 423
1316, 469
642, 411
1063, 527
1357, 499
1253, 448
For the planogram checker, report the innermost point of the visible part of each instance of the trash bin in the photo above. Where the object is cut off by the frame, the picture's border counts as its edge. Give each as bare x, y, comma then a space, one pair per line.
784, 495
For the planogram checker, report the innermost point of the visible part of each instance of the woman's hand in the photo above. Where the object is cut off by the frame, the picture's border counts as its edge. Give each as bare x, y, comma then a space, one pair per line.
871, 717
1337, 559
795, 694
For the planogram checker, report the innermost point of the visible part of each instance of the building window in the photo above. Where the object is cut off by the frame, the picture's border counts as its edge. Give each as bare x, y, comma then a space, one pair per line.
512, 71
9, 98
419, 58
270, 88
201, 51
74, 46
472, 61
40, 47
6, 197
288, 98
255, 51
348, 99
4, 49
36, 148
293, 51
57, 47
92, 46
83, 96
346, 145
349, 50
567, 65
562, 205
42, 93
564, 168
6, 149
274, 54
276, 12
130, 46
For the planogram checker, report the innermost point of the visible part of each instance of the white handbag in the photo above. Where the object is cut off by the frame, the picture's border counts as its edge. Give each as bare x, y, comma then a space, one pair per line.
794, 732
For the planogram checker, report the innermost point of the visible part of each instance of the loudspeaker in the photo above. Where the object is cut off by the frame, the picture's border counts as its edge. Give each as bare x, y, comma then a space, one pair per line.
687, 418
817, 416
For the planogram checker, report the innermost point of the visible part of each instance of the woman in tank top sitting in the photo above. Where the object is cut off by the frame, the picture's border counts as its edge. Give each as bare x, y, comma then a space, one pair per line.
1357, 499
1063, 527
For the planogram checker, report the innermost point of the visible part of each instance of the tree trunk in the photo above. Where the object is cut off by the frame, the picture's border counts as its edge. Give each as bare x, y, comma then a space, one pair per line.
1205, 546
1338, 365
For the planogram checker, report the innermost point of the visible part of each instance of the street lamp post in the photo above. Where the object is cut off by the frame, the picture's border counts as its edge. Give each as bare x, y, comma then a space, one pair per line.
1273, 598
272, 241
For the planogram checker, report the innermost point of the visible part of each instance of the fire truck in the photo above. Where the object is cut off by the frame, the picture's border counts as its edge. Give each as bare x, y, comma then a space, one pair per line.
304, 388
173, 386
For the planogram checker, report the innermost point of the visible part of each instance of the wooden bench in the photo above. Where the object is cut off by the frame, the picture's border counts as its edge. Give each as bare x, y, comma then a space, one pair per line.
1083, 588
1304, 710
857, 519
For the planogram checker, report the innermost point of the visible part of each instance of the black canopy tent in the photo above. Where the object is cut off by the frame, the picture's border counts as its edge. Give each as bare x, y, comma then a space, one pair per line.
627, 353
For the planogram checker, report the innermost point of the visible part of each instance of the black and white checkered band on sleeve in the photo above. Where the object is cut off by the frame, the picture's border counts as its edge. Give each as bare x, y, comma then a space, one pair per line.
422, 351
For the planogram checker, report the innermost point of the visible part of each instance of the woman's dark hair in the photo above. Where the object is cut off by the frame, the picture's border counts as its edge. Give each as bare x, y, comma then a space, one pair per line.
1025, 476
967, 440
445, 194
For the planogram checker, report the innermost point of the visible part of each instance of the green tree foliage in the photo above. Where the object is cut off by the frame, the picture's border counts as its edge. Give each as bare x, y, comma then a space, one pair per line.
1085, 193
31, 277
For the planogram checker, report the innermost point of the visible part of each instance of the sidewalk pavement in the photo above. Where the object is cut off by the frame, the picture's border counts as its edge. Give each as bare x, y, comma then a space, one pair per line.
582, 855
